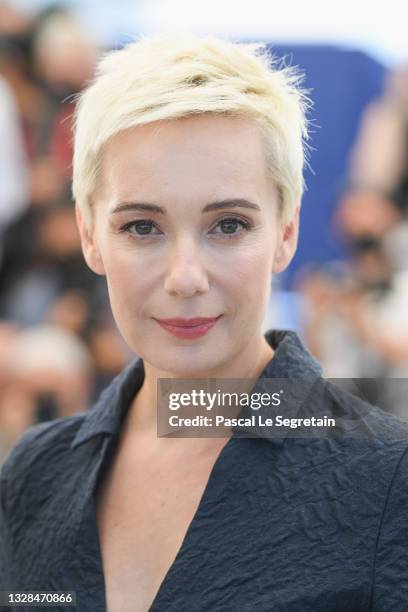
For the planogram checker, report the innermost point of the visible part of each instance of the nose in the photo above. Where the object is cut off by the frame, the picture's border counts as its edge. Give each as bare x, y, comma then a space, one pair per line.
186, 275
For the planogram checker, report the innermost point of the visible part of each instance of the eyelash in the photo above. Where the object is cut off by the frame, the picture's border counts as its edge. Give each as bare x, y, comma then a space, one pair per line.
246, 225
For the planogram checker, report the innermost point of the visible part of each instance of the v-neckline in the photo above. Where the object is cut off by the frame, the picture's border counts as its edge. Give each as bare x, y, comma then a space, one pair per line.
210, 484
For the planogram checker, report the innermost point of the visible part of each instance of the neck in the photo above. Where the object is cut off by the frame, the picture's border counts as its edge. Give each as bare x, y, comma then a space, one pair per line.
142, 417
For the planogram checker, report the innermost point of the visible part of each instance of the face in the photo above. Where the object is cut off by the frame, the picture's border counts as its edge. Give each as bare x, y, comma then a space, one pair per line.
187, 226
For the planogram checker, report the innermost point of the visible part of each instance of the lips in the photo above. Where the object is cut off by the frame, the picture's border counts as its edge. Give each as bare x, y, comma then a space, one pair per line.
188, 328
178, 322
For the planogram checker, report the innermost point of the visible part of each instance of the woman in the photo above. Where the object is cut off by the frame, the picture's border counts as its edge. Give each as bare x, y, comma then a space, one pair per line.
187, 179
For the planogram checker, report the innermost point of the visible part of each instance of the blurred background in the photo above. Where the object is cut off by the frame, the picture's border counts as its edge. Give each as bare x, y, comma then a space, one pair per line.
346, 293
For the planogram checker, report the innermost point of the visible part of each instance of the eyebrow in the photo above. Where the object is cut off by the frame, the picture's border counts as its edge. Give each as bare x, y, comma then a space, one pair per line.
154, 208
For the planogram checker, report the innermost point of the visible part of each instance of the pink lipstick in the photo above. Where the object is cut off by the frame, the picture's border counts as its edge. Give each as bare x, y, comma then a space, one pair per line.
188, 328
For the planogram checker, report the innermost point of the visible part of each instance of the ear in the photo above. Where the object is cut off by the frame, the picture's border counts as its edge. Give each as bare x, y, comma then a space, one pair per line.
89, 246
287, 244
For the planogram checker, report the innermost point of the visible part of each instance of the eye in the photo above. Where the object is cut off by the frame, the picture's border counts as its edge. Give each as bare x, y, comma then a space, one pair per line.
230, 225
143, 227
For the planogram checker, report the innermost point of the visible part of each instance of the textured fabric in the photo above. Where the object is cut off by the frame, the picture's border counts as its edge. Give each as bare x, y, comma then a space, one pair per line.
288, 524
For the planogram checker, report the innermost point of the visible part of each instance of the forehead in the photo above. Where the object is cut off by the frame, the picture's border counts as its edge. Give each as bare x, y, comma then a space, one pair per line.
197, 153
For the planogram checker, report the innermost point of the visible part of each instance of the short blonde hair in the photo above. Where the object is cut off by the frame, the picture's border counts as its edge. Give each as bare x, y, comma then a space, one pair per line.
164, 77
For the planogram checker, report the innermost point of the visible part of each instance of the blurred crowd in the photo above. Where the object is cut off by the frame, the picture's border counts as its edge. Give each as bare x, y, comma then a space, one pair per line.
356, 310
58, 342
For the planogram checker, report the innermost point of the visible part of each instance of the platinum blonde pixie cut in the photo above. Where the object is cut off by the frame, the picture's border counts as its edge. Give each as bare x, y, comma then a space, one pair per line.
166, 77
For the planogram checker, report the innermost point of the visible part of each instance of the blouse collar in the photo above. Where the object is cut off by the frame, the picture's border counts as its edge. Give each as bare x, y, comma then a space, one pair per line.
291, 360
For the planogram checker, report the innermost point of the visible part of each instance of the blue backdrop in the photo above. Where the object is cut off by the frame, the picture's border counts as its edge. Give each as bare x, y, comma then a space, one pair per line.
342, 83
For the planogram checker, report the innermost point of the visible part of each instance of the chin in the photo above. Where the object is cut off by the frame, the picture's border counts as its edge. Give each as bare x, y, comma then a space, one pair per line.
187, 361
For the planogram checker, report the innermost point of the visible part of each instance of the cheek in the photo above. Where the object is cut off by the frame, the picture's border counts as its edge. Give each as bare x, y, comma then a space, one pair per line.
249, 270
127, 282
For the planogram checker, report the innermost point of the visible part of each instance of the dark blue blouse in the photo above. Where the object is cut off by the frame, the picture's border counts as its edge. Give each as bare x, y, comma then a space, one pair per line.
285, 524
